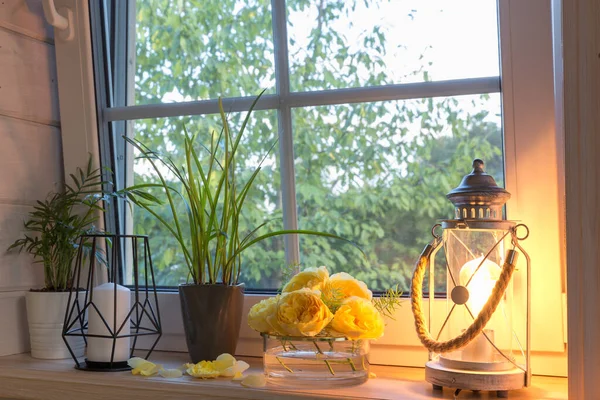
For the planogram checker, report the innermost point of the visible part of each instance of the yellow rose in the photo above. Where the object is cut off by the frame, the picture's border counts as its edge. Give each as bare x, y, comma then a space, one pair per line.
357, 318
341, 286
311, 278
302, 313
261, 313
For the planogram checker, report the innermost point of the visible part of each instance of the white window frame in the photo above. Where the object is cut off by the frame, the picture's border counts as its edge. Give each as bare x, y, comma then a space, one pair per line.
532, 155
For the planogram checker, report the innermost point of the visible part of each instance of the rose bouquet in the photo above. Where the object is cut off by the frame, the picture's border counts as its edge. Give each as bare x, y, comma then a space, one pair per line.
313, 303
321, 321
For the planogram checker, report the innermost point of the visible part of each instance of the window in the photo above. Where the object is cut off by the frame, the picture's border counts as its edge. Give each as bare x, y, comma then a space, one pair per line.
378, 108
377, 118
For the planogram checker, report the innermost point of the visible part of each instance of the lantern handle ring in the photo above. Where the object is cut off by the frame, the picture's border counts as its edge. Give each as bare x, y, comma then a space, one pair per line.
526, 231
435, 235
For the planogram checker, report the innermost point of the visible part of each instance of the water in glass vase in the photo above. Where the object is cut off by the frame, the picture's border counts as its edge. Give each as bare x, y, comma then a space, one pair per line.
322, 361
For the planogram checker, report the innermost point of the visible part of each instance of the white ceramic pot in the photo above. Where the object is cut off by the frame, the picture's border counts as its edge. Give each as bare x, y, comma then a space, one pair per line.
45, 315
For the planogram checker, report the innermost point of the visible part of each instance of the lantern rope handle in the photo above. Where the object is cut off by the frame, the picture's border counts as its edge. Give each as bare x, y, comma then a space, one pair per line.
416, 298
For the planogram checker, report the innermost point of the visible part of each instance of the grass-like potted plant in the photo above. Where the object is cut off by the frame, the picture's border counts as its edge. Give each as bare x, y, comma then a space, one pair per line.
208, 233
51, 237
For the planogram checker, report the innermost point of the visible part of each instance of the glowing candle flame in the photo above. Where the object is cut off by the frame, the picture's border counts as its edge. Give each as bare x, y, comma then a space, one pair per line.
482, 284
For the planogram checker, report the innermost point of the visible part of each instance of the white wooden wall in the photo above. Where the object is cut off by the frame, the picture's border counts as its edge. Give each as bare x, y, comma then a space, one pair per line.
30, 151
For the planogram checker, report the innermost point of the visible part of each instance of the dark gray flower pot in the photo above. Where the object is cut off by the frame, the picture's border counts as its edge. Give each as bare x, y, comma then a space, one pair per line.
211, 317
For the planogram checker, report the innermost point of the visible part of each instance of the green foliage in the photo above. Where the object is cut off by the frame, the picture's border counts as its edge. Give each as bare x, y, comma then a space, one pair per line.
375, 173
333, 299
213, 200
287, 274
387, 303
57, 222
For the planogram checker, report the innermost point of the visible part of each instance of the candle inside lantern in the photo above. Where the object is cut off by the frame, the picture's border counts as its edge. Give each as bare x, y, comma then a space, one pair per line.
479, 276
480, 281
480, 349
101, 349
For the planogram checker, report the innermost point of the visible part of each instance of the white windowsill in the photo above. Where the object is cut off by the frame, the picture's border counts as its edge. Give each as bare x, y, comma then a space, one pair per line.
26, 378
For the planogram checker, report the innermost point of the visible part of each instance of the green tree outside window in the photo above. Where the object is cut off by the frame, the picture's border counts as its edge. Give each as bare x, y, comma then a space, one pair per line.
376, 173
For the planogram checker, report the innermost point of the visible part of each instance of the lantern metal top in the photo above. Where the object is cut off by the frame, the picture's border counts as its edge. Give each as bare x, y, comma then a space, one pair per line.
478, 196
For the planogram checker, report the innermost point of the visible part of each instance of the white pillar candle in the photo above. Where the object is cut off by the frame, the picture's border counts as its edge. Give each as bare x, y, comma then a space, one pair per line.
100, 349
480, 349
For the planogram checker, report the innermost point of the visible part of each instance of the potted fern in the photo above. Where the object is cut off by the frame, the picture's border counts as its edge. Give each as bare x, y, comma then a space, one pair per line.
208, 233
51, 235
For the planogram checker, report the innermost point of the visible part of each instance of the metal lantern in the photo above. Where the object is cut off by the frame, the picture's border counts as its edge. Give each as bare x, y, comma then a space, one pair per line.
480, 340
113, 301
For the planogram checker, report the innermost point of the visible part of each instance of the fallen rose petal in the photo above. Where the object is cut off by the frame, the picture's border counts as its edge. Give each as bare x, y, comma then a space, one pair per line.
226, 357
224, 361
372, 375
135, 362
238, 376
238, 367
241, 366
255, 381
148, 370
170, 373
185, 366
142, 367
204, 374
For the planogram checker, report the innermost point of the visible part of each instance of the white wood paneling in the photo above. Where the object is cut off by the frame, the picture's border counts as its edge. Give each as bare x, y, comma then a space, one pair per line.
28, 82
30, 156
581, 80
16, 271
30, 152
26, 17
13, 330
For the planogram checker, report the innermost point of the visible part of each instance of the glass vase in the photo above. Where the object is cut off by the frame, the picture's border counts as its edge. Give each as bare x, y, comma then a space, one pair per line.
320, 361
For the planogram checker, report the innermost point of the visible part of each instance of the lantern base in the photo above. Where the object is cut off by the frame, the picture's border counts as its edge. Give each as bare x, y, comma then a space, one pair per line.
480, 366
500, 381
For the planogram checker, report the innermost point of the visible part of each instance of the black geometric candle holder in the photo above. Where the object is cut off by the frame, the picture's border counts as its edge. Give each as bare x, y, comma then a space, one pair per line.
112, 301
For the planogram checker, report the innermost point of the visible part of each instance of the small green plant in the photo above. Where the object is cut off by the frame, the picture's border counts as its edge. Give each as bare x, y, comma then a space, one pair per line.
388, 302
56, 223
333, 299
287, 273
208, 231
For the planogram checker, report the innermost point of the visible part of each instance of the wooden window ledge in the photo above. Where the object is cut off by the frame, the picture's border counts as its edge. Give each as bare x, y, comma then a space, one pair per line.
23, 377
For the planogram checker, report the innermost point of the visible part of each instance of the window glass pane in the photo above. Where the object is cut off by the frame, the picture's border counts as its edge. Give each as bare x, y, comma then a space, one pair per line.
197, 50
378, 173
262, 263
336, 43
